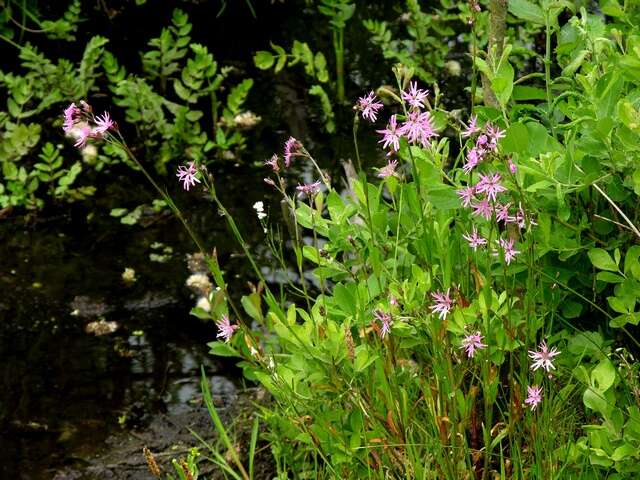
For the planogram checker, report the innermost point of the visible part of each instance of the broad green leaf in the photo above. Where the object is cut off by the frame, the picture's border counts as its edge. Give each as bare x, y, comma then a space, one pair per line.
524, 92
595, 400
625, 452
263, 59
609, 277
586, 343
516, 140
251, 305
502, 82
222, 349
603, 376
526, 10
602, 260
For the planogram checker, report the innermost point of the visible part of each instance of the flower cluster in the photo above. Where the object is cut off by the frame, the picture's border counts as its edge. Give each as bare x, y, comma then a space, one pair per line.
187, 175
471, 343
534, 396
368, 107
442, 305
308, 189
417, 127
82, 124
543, 358
484, 197
292, 148
225, 329
385, 322
486, 143
388, 170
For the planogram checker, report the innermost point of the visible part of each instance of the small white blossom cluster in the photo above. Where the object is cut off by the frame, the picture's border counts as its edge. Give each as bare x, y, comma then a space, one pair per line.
259, 208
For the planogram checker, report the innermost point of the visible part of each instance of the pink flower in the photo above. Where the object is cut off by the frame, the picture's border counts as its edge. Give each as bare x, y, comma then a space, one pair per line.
472, 128
502, 213
490, 185
474, 239
385, 322
291, 149
70, 115
369, 107
415, 96
103, 124
482, 141
388, 170
225, 329
508, 250
83, 134
534, 396
483, 208
418, 128
471, 343
494, 134
521, 219
512, 167
187, 175
543, 358
466, 194
391, 135
308, 189
443, 303
474, 156
273, 163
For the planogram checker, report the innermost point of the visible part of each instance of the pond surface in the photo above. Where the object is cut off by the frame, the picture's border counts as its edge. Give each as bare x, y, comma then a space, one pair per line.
64, 389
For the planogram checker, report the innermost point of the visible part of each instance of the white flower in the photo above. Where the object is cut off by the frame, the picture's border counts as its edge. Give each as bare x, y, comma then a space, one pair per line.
200, 283
204, 304
259, 208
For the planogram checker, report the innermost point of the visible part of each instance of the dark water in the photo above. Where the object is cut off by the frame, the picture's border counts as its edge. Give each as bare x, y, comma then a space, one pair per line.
64, 390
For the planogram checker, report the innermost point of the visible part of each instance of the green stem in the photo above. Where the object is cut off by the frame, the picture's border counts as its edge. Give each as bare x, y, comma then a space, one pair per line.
338, 47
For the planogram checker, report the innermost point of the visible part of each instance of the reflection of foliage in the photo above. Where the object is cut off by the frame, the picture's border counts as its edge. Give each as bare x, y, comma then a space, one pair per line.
44, 85
162, 105
14, 15
169, 128
423, 47
315, 67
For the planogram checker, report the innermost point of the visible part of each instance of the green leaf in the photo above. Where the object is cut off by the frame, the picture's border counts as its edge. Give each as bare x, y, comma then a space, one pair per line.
609, 277
621, 320
602, 260
595, 400
571, 309
625, 452
525, 10
263, 59
631, 262
586, 343
502, 82
516, 139
222, 349
118, 212
524, 92
251, 305
603, 376
363, 358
